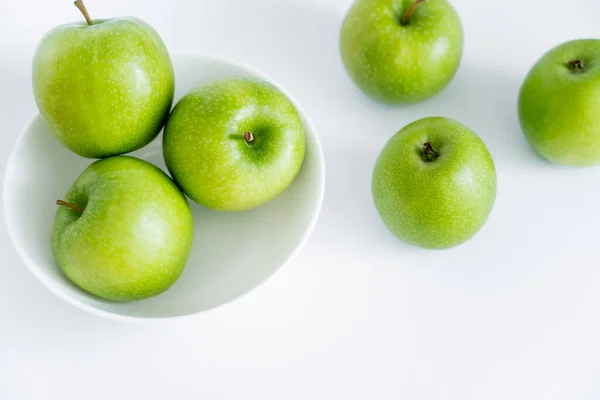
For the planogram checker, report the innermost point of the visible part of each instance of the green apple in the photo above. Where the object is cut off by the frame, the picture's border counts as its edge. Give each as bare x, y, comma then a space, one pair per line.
234, 143
103, 87
434, 183
559, 104
401, 51
124, 230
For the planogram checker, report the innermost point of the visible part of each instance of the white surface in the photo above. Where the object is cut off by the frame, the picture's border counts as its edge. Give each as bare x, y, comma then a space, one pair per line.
513, 314
232, 253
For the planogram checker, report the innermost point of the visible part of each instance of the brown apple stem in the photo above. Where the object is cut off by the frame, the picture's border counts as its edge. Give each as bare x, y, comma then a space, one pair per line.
248, 137
79, 4
429, 153
410, 11
69, 205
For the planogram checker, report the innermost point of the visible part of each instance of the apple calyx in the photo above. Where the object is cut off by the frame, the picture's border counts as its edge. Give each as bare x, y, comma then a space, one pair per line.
79, 4
406, 17
70, 205
576, 66
248, 137
429, 154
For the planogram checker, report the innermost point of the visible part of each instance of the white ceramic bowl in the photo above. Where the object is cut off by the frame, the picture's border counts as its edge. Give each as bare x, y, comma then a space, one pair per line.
223, 263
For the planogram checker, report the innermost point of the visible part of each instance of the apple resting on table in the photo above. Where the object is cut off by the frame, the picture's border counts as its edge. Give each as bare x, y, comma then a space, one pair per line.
559, 104
234, 144
103, 87
401, 51
434, 183
123, 231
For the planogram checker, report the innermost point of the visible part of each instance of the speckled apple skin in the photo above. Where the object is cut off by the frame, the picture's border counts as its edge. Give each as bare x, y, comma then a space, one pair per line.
437, 204
205, 150
134, 237
559, 108
396, 63
104, 89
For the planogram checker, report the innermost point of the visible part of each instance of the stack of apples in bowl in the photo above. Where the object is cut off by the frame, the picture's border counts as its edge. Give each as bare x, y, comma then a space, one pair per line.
97, 203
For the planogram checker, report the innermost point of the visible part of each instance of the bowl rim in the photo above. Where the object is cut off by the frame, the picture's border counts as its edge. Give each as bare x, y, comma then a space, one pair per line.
49, 283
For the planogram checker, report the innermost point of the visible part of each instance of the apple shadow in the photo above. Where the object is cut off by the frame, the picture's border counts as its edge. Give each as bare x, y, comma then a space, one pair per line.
486, 101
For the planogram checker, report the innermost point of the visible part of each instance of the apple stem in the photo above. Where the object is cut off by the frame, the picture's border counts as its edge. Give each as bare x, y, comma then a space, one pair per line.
576, 65
410, 11
429, 153
79, 4
248, 137
69, 205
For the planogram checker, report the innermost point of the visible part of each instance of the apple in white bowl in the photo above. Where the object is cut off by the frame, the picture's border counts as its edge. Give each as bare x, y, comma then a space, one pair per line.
103, 87
123, 231
234, 144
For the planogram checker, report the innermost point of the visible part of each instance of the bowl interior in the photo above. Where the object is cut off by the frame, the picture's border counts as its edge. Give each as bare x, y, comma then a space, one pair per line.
232, 252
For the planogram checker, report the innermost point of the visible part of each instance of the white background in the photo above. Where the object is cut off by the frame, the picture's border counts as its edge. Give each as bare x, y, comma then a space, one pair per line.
512, 314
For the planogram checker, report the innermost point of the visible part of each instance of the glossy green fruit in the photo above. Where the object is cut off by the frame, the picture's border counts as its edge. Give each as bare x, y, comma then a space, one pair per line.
559, 104
401, 51
434, 183
125, 232
104, 89
234, 144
